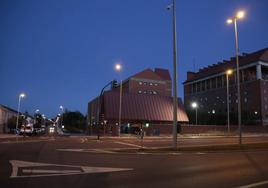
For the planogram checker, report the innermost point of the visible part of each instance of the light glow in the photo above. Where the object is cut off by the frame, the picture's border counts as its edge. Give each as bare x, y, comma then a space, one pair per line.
240, 14
22, 95
118, 67
194, 105
229, 72
229, 21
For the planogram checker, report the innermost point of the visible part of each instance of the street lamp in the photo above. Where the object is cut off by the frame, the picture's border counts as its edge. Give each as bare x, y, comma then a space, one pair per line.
195, 106
228, 72
61, 108
118, 68
239, 15
175, 102
21, 96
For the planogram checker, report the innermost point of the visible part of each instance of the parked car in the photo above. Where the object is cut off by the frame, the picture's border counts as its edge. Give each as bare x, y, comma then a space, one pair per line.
27, 129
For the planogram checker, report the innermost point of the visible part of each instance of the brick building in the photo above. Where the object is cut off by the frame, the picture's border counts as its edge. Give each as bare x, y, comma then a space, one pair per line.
146, 100
157, 82
208, 88
5, 114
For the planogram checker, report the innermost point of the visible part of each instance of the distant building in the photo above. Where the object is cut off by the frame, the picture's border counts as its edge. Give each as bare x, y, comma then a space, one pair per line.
157, 82
208, 88
146, 103
5, 114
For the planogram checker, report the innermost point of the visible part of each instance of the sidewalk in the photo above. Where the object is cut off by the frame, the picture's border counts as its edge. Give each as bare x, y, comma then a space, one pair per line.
4, 136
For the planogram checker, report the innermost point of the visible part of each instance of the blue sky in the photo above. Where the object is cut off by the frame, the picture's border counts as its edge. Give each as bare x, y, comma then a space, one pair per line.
63, 52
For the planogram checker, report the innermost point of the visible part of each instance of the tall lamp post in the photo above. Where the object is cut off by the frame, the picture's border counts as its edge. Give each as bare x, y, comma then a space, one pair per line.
118, 68
21, 96
175, 102
61, 108
228, 72
195, 106
239, 15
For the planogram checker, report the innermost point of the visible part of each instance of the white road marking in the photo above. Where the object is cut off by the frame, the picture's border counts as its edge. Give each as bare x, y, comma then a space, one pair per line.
49, 171
128, 144
55, 172
25, 141
254, 184
87, 150
200, 153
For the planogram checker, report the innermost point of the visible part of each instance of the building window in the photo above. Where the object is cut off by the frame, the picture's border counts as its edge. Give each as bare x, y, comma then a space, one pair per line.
140, 83
154, 92
151, 84
144, 83
144, 92
139, 91
156, 84
246, 100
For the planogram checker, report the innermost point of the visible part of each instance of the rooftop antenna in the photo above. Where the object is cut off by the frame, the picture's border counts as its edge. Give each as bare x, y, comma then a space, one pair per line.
194, 64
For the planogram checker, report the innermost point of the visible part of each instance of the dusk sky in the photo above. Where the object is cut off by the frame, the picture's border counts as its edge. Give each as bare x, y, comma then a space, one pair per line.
62, 52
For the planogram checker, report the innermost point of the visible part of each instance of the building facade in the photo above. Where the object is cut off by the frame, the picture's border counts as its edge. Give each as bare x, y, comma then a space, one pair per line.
208, 88
148, 81
5, 114
146, 103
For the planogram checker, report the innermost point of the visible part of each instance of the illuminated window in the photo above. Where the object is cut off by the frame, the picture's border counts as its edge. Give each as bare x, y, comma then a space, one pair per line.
140, 83
139, 91
155, 92
151, 84
156, 84
144, 92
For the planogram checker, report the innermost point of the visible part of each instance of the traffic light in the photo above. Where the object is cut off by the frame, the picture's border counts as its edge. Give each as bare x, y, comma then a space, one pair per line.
114, 84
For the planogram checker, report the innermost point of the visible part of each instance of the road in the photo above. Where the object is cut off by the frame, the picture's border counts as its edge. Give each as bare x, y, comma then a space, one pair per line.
69, 162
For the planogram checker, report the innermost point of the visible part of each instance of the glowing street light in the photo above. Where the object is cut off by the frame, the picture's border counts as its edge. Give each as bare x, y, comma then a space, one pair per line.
118, 68
239, 15
21, 96
61, 120
195, 106
228, 72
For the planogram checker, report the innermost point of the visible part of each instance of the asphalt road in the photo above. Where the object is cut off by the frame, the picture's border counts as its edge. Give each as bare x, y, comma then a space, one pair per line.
69, 162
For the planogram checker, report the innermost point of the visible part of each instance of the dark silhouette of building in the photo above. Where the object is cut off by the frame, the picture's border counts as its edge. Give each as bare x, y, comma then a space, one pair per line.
207, 88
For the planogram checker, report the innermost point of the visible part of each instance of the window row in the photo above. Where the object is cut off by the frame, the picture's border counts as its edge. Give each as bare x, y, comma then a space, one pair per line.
147, 92
149, 83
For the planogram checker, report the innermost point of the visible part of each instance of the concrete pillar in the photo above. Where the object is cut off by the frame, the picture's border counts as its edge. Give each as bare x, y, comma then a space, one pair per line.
258, 72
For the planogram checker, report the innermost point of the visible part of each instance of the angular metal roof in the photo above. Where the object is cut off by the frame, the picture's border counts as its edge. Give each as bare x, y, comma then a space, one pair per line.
141, 107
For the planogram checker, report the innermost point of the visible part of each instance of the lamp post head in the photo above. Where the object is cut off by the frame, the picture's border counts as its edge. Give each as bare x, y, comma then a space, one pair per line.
229, 72
229, 21
118, 67
240, 14
61, 107
22, 95
194, 105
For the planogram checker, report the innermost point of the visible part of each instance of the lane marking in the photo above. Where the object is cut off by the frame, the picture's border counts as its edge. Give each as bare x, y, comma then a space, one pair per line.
23, 169
26, 141
87, 150
128, 144
254, 184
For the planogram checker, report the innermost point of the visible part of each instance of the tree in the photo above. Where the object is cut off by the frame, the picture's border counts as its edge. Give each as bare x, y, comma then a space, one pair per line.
38, 120
74, 121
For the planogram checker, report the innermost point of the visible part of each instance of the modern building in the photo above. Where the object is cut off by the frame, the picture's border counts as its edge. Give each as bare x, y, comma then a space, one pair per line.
208, 88
146, 103
5, 114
